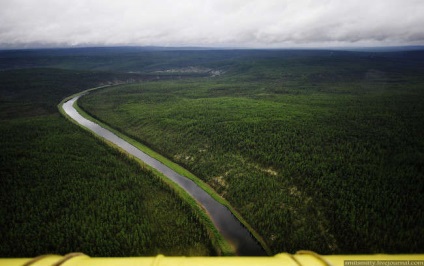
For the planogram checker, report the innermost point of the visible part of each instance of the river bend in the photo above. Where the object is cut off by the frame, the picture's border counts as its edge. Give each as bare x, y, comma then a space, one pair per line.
227, 224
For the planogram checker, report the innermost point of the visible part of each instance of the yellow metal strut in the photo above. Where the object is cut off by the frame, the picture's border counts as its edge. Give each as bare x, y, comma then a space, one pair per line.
284, 259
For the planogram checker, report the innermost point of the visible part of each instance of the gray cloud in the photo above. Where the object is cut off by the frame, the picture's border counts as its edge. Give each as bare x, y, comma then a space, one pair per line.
257, 23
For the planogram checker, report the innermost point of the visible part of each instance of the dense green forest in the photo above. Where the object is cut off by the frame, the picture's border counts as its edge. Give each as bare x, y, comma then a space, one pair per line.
317, 150
62, 190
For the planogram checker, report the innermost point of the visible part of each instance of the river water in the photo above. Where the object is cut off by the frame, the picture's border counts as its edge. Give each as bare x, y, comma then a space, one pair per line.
227, 224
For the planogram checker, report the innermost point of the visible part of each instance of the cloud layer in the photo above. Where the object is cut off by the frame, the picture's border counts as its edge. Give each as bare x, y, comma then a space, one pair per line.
246, 23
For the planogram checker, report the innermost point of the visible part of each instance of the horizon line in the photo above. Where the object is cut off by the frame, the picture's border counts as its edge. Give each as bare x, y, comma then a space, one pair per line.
188, 48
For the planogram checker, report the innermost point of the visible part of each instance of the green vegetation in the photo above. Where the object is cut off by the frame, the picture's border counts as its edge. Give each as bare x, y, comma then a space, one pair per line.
320, 152
223, 246
62, 190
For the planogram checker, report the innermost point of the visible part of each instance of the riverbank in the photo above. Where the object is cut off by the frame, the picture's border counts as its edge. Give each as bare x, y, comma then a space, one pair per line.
224, 247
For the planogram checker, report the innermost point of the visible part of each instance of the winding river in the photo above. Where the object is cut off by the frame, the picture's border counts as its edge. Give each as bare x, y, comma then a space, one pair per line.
227, 224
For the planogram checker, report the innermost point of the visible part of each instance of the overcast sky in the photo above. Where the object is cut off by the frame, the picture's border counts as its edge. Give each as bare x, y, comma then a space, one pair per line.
211, 23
